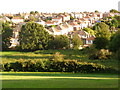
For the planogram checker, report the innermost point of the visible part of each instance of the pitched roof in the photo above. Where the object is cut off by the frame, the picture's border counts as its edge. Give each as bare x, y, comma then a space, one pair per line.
17, 18
91, 38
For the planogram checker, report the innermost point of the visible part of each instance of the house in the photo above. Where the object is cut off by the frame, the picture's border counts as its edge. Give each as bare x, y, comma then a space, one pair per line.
65, 17
4, 19
62, 29
41, 22
17, 19
14, 40
78, 15
50, 22
58, 20
75, 25
89, 40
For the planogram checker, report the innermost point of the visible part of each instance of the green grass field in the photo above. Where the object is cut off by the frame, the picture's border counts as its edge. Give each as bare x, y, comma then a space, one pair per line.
58, 80
54, 79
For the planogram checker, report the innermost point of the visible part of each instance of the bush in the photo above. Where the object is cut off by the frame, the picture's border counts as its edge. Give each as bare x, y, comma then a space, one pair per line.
56, 66
101, 54
57, 57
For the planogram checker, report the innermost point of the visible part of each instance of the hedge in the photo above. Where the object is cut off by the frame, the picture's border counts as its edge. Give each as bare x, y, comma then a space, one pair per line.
55, 66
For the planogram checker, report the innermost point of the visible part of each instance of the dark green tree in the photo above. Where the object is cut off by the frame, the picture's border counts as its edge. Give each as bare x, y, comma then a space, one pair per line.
114, 23
96, 11
102, 30
101, 43
113, 11
36, 12
6, 33
33, 36
60, 42
115, 42
32, 12
76, 41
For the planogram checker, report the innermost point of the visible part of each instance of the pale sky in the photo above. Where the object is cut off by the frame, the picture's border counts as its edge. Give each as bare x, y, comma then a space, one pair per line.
16, 6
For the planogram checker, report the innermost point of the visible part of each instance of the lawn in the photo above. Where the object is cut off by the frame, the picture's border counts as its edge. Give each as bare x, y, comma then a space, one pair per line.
58, 80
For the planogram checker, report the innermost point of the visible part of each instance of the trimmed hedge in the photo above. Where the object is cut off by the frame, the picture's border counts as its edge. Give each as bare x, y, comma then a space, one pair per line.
55, 66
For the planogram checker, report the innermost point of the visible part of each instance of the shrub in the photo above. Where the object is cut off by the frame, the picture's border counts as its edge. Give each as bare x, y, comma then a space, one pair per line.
56, 66
101, 54
57, 57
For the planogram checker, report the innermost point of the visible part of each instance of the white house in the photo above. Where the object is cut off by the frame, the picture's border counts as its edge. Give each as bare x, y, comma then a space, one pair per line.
17, 20
58, 20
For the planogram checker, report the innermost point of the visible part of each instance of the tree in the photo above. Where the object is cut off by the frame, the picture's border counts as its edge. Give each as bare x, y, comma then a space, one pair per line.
114, 23
90, 31
33, 36
113, 11
6, 34
118, 19
115, 42
32, 12
71, 18
76, 41
36, 12
96, 11
101, 43
59, 42
102, 30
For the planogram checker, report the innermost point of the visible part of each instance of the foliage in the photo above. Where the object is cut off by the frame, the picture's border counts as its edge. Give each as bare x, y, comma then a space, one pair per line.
102, 30
55, 66
96, 11
101, 54
59, 42
57, 57
33, 36
6, 34
71, 18
118, 19
90, 31
36, 12
101, 43
113, 11
114, 23
115, 42
76, 41
32, 12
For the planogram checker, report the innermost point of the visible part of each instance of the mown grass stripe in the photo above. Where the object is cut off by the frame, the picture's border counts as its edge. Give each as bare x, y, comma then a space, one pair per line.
6, 77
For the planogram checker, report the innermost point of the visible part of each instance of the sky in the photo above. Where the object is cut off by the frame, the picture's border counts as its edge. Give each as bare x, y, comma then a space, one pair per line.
16, 6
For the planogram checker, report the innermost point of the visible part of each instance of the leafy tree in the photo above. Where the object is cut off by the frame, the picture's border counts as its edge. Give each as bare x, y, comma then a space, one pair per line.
6, 33
33, 36
59, 42
71, 18
36, 12
96, 11
102, 30
115, 42
90, 31
114, 23
32, 12
113, 11
76, 41
101, 43
118, 19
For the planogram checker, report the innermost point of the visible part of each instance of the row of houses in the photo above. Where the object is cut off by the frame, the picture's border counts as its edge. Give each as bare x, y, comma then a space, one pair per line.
59, 24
